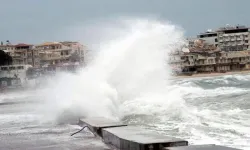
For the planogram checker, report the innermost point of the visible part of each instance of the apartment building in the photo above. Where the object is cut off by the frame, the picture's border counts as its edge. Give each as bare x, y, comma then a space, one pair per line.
229, 38
52, 53
55, 53
78, 51
234, 60
22, 54
199, 61
216, 61
233, 38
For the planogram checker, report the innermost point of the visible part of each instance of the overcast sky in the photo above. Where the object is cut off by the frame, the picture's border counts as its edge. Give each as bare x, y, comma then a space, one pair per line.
35, 21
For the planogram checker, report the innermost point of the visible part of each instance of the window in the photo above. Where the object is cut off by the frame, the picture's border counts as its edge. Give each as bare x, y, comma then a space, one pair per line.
4, 68
12, 68
20, 67
216, 40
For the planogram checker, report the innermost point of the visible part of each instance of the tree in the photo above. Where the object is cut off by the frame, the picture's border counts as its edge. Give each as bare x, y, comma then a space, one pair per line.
5, 59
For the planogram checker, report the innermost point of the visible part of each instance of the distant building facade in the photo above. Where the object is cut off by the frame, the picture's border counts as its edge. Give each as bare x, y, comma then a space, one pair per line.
21, 54
229, 38
56, 53
49, 53
206, 58
233, 38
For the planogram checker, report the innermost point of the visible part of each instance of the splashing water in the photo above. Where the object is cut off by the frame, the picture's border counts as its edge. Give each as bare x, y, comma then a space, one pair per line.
128, 75
129, 79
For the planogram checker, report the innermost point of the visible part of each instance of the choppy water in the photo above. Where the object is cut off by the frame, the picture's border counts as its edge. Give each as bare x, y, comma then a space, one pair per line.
214, 110
128, 79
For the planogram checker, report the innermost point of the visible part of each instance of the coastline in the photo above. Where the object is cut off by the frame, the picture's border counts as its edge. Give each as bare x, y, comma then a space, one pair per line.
215, 74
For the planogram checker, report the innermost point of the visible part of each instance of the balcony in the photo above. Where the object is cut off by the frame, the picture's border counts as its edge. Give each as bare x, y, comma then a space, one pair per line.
188, 64
223, 61
201, 57
246, 33
59, 57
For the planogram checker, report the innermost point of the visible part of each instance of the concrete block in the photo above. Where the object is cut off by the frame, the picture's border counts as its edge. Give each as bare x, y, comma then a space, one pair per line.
97, 124
137, 138
201, 147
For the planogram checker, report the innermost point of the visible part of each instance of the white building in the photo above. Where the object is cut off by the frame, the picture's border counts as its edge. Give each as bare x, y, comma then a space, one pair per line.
229, 38
233, 38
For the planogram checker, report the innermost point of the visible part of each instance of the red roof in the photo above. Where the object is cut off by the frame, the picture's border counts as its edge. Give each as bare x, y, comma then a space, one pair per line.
22, 44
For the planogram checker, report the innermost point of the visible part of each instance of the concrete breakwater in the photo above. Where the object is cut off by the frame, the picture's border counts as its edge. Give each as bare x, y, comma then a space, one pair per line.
128, 137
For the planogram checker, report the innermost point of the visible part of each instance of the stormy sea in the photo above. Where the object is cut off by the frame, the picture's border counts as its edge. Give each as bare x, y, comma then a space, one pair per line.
128, 79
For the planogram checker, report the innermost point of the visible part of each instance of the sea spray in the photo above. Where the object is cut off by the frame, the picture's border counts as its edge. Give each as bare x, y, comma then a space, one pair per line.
128, 74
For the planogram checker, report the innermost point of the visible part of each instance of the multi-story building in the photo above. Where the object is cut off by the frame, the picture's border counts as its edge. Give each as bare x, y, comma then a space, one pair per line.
78, 51
22, 54
18, 55
233, 38
47, 53
229, 38
200, 61
216, 61
52, 53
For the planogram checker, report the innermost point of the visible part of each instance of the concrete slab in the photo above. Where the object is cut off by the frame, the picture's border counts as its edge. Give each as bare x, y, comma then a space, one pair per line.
49, 142
97, 124
137, 138
201, 147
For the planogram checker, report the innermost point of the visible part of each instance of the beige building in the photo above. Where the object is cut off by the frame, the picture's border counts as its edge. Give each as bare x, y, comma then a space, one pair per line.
216, 61
199, 61
52, 53
233, 60
21, 54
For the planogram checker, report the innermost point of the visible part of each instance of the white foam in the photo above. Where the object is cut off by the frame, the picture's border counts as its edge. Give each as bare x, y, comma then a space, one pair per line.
129, 74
